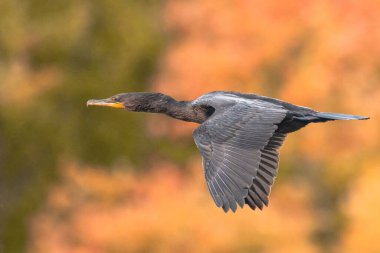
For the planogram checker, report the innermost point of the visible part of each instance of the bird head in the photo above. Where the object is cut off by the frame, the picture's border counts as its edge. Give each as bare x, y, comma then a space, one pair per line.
133, 101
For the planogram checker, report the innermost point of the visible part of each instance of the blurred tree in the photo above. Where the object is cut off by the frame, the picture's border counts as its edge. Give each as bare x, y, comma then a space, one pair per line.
94, 210
361, 208
54, 56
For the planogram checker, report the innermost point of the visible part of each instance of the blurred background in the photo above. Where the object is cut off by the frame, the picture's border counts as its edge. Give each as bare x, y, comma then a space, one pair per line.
77, 179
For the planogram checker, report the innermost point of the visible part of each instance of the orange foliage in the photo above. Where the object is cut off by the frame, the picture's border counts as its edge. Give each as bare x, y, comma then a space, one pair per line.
163, 211
363, 208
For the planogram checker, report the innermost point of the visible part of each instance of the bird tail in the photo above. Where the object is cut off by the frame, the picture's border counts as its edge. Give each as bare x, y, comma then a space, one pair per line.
339, 116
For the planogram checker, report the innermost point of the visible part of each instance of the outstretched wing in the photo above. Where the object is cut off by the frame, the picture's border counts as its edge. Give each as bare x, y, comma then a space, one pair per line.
239, 149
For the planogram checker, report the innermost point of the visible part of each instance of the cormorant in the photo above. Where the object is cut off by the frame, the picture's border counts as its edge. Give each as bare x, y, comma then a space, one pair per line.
239, 137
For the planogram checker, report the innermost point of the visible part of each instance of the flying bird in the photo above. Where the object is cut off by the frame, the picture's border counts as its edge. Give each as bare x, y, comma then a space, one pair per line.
239, 137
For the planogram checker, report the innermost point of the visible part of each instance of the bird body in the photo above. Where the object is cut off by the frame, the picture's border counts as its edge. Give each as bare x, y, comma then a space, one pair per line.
239, 137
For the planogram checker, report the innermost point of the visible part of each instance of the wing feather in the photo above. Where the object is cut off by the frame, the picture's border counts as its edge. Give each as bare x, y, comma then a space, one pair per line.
239, 150
267, 171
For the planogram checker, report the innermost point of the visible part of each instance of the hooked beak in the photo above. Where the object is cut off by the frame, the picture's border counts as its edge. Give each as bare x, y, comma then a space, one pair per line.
105, 102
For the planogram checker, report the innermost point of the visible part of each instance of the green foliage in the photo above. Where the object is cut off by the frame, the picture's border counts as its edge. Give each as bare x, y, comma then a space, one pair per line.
84, 49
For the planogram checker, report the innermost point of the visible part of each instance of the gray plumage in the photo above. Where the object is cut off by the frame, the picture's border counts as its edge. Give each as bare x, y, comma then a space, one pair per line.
239, 138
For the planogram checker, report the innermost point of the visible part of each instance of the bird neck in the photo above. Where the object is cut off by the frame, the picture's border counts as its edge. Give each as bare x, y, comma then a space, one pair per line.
182, 110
